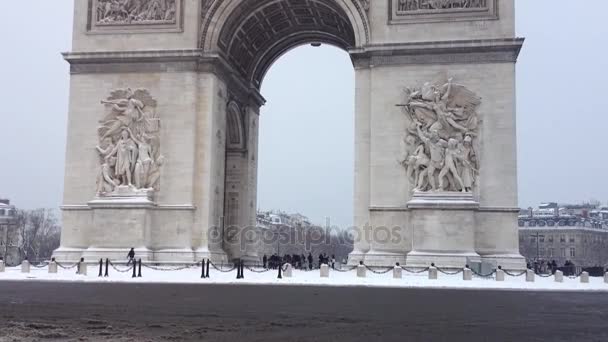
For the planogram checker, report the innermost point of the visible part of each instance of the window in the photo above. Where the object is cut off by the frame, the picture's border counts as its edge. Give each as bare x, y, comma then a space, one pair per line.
563, 252
572, 252
562, 238
571, 238
551, 252
541, 238
550, 238
533, 239
2, 212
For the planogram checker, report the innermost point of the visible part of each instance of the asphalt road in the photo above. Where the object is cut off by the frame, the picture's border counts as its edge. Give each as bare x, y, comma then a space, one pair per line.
34, 311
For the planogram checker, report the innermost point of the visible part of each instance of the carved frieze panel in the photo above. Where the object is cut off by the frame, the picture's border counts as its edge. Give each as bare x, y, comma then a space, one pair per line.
416, 11
115, 16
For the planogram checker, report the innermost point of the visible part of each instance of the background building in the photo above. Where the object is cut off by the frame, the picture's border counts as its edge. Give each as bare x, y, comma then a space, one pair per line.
9, 233
578, 233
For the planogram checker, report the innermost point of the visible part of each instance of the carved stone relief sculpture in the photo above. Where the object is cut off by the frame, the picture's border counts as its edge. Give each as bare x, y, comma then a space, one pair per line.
411, 11
439, 5
440, 152
125, 12
129, 145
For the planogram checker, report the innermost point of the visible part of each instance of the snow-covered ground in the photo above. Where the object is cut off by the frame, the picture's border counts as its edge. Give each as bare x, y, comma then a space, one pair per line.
193, 276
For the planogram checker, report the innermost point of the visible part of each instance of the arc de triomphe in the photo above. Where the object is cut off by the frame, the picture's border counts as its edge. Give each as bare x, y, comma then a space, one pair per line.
164, 112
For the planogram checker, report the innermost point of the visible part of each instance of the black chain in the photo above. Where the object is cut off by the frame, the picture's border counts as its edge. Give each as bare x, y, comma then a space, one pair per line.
263, 270
542, 275
221, 270
514, 274
164, 269
67, 267
416, 272
484, 275
448, 272
379, 272
43, 265
346, 270
121, 271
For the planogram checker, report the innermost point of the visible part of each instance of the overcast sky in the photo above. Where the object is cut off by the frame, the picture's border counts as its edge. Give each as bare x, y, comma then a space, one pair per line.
306, 141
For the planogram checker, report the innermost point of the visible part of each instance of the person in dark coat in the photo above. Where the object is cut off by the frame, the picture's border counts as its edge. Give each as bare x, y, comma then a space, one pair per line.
131, 256
310, 261
264, 261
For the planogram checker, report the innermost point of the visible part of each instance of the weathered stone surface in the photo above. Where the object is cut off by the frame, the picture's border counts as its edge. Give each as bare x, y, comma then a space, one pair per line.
585, 277
53, 267
288, 273
432, 272
530, 276
397, 272
2, 266
324, 271
25, 266
361, 271
500, 275
559, 276
467, 274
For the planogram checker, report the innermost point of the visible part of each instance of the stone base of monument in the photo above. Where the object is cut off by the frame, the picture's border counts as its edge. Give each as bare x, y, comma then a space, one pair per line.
383, 259
355, 257
514, 262
419, 259
68, 255
93, 254
172, 255
217, 257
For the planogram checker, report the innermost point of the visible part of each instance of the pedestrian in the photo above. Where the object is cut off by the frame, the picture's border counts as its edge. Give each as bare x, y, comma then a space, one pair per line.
131, 256
310, 261
333, 261
264, 261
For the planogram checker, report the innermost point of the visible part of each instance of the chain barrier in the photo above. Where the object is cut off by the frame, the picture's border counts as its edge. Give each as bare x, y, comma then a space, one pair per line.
483, 275
165, 269
378, 272
448, 272
263, 270
67, 267
43, 265
416, 272
346, 270
576, 276
224, 271
544, 275
515, 274
119, 270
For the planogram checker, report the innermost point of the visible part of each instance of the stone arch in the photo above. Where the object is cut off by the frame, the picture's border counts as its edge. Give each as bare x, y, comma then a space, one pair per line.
251, 35
235, 132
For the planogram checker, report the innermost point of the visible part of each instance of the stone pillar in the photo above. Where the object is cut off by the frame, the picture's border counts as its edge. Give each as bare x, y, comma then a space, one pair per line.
500, 275
288, 271
361, 270
324, 271
2, 266
25, 266
432, 272
397, 272
82, 267
467, 274
585, 277
559, 276
53, 267
529, 276
606, 277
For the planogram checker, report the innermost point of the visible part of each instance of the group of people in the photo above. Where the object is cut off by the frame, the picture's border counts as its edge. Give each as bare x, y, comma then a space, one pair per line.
415, 5
126, 11
545, 266
298, 261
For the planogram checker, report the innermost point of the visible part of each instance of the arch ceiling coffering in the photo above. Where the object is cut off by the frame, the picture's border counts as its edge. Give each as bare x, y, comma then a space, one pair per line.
257, 32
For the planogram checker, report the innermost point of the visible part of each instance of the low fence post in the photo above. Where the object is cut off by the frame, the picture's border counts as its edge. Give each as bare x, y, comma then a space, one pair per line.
397, 272
280, 276
207, 272
203, 269
324, 271
558, 276
82, 267
500, 274
100, 268
585, 277
433, 272
106, 274
606, 277
288, 270
2, 266
530, 276
53, 266
139, 269
467, 274
361, 270
134, 275
238, 269
25, 266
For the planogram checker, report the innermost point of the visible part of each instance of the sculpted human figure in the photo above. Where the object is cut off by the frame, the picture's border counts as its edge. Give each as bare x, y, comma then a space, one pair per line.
154, 178
144, 161
105, 182
449, 168
124, 152
128, 109
435, 146
469, 161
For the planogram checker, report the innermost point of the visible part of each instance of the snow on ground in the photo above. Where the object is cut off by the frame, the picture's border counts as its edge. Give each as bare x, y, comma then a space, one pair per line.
193, 276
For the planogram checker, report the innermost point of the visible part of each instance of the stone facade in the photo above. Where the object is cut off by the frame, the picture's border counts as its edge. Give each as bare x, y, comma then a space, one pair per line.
582, 245
203, 61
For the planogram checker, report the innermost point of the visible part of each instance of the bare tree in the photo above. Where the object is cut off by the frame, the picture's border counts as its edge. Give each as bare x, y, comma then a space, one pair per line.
39, 233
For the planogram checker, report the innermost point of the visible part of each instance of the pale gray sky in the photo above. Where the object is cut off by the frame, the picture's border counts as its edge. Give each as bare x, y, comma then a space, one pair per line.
562, 117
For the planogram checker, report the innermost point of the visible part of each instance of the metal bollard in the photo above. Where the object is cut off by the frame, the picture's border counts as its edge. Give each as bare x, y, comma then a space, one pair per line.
2, 266
324, 271
558, 276
107, 267
82, 267
467, 274
207, 272
397, 272
139, 269
203, 269
134, 275
433, 272
25, 266
53, 266
288, 271
500, 274
100, 268
585, 277
238, 270
280, 276
530, 276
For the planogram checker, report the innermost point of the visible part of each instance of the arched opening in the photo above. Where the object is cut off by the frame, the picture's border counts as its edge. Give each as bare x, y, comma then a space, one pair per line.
252, 36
